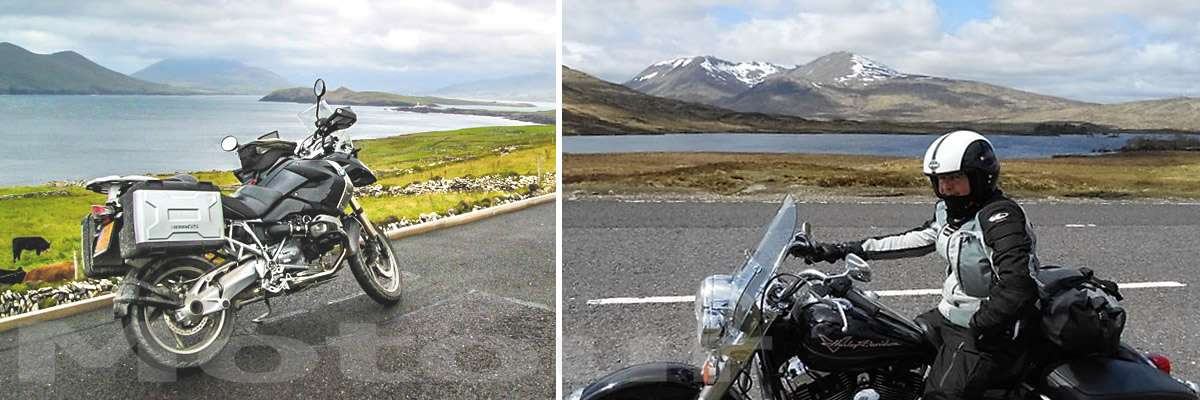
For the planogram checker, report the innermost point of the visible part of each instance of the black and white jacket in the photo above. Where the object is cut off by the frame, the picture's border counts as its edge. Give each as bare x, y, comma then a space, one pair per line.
990, 260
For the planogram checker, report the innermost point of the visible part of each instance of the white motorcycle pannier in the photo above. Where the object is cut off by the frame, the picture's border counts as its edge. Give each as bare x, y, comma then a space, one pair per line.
169, 217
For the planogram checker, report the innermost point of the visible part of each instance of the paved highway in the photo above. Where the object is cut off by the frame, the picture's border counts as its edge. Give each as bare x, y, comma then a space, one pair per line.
477, 321
618, 249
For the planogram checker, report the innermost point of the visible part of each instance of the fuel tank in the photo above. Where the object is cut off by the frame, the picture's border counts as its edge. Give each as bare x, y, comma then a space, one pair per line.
308, 187
358, 172
884, 339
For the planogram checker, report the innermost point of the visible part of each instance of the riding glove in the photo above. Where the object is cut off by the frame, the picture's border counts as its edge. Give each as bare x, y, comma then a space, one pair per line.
817, 251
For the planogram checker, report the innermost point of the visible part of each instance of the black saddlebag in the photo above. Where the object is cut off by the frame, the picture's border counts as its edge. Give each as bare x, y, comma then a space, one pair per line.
1080, 312
1095, 378
171, 217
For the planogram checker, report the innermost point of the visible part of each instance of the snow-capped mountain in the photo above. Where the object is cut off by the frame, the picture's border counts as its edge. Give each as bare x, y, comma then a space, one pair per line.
846, 69
701, 78
836, 85
847, 85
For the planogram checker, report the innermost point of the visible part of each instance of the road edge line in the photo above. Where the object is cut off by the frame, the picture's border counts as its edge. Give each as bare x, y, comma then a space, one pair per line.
106, 300
56, 312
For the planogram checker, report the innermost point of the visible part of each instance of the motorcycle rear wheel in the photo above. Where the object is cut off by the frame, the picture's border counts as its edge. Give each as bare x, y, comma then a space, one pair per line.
376, 269
159, 338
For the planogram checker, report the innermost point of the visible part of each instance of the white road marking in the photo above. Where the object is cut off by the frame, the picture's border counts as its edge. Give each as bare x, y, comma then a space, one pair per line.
908, 292
881, 293
526, 303
1080, 225
353, 296
640, 300
1146, 285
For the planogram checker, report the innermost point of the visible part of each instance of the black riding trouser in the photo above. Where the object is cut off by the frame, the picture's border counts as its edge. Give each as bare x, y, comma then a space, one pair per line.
965, 369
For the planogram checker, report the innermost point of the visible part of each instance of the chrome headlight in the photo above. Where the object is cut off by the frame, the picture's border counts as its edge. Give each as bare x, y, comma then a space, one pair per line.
714, 306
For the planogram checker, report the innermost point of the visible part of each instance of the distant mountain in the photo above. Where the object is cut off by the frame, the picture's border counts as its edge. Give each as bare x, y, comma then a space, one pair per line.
845, 85
529, 87
846, 70
345, 96
839, 85
1181, 114
592, 106
705, 79
213, 75
67, 72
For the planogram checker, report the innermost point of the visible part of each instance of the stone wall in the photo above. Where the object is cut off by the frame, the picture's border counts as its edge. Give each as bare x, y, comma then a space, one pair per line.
14, 302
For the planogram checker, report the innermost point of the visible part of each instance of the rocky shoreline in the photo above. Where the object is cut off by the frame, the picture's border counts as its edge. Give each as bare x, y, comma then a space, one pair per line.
523, 116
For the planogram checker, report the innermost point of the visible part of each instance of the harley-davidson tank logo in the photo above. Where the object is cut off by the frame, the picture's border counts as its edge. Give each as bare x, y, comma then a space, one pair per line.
849, 343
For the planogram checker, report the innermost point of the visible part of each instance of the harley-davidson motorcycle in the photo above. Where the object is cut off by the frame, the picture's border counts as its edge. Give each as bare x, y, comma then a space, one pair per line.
191, 257
813, 335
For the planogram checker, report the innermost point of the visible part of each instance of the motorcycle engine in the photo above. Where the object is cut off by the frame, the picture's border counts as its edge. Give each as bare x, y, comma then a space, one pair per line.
887, 384
317, 234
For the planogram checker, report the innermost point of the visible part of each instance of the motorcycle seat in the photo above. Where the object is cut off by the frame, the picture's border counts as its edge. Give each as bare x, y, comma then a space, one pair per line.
250, 202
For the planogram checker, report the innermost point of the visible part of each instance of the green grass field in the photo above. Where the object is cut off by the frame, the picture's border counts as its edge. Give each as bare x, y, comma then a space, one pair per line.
398, 160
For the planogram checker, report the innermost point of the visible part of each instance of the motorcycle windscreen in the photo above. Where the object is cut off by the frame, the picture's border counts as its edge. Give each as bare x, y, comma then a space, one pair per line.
752, 277
315, 112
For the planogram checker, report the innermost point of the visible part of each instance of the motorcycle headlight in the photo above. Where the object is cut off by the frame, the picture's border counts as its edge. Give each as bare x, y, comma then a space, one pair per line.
714, 305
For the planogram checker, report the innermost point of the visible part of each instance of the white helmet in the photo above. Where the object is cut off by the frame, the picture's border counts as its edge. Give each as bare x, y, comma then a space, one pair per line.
967, 152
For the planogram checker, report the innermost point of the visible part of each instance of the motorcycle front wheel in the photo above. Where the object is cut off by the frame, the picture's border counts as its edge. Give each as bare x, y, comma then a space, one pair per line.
160, 338
376, 269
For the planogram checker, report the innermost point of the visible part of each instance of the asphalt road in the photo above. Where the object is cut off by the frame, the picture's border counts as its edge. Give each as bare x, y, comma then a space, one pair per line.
639, 249
477, 321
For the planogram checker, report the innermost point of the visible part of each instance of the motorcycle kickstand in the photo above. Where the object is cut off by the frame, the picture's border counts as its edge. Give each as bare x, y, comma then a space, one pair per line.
260, 318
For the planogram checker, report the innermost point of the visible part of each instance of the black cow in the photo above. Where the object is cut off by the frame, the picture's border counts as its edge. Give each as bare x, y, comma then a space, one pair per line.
35, 243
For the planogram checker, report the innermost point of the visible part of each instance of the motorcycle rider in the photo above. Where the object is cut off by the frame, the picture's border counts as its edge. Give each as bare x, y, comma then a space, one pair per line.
988, 294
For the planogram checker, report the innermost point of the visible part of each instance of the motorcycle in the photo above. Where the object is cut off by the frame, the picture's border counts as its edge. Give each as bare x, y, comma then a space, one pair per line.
813, 335
192, 257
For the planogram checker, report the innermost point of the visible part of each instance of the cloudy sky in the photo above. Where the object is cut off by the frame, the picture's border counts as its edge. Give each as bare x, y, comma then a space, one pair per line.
381, 45
1093, 50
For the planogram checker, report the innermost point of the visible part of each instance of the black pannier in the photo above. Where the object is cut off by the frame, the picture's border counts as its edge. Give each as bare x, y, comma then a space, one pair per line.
258, 156
160, 217
1079, 311
107, 264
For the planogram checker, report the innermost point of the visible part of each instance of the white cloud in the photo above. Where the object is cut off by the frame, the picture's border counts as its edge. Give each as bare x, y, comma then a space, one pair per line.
460, 39
1097, 50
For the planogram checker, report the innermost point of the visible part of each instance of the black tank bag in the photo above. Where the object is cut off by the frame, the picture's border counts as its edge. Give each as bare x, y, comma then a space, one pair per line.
258, 156
1080, 312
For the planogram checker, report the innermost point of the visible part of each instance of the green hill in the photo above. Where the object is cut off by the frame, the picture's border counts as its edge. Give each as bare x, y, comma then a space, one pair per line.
66, 72
344, 96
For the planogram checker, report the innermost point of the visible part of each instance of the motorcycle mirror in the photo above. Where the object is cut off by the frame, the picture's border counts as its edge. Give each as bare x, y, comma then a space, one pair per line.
857, 268
319, 89
229, 143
